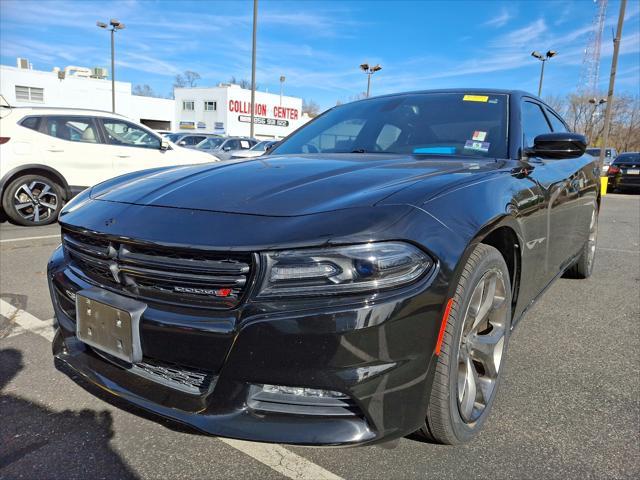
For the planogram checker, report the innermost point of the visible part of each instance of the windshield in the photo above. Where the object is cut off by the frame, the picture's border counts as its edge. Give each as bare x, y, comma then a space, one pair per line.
174, 137
420, 124
627, 158
211, 142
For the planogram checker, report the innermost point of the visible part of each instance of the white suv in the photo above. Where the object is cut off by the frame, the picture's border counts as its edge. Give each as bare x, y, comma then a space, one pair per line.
50, 154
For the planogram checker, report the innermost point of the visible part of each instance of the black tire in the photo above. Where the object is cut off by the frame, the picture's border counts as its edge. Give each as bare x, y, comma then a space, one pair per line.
444, 421
583, 267
33, 200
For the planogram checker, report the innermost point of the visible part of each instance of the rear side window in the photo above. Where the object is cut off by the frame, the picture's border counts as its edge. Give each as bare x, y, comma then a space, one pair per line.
192, 139
74, 129
534, 122
556, 123
120, 132
31, 122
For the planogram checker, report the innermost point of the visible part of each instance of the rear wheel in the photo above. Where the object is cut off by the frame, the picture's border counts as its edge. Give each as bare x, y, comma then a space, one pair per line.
471, 356
33, 200
584, 265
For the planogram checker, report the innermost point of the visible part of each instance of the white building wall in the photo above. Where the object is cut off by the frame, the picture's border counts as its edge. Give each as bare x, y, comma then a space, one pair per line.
82, 92
233, 112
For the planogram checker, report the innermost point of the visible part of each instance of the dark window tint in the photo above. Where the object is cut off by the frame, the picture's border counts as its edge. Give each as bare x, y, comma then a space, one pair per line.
556, 123
31, 122
174, 137
75, 129
627, 158
192, 139
211, 143
120, 132
534, 122
594, 152
232, 145
421, 124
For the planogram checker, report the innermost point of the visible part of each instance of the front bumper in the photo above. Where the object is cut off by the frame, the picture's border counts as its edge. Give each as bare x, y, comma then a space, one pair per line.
378, 352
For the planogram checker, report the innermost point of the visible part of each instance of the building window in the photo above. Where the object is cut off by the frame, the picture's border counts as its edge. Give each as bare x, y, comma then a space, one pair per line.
210, 105
29, 94
187, 105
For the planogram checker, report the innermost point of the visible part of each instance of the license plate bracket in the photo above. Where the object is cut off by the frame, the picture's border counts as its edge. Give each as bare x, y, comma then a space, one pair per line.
633, 171
110, 323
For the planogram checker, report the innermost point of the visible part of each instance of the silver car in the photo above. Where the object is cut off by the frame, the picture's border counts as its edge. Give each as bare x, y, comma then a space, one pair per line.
225, 147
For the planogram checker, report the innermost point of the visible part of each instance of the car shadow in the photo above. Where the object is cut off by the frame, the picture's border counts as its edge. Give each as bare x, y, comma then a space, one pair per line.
37, 442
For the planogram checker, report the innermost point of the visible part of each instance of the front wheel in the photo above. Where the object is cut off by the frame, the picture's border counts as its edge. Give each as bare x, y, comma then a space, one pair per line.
583, 267
471, 356
33, 200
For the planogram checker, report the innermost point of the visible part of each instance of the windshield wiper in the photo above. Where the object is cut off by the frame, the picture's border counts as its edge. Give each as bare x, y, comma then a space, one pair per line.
359, 150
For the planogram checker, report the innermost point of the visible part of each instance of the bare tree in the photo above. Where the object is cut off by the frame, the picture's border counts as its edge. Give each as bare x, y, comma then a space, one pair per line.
187, 80
311, 108
144, 91
242, 82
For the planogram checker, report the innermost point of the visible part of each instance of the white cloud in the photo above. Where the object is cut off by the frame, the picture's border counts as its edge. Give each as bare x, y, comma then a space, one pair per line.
499, 20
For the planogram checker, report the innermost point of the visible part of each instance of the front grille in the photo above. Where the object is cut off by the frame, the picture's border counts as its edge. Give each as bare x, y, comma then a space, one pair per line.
179, 377
176, 376
182, 276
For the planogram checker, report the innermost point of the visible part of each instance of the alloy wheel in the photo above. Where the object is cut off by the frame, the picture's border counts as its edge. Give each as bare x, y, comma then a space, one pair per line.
481, 345
36, 201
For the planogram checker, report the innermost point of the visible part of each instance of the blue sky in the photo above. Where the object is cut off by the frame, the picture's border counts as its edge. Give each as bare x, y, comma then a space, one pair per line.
319, 45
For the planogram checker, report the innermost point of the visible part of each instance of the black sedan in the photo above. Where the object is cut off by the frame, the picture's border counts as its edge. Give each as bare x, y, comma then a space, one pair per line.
624, 172
357, 284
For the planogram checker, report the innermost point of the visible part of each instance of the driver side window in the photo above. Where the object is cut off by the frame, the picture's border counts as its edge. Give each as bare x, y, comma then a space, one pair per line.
534, 122
120, 132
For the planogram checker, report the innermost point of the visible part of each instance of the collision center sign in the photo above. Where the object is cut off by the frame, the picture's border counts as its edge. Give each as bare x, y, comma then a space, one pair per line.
264, 115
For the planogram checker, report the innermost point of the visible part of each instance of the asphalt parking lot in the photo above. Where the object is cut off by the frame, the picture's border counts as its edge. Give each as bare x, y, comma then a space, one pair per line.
569, 404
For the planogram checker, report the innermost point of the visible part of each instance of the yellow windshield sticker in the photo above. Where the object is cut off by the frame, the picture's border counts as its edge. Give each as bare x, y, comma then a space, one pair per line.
475, 98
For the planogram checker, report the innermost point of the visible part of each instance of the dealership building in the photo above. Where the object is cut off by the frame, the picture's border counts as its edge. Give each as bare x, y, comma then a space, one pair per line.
225, 109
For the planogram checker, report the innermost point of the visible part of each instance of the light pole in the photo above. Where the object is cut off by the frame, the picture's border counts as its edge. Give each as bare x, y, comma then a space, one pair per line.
543, 59
282, 79
115, 25
596, 103
253, 67
369, 70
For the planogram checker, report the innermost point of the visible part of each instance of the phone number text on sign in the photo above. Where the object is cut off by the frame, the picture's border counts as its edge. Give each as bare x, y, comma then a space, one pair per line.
263, 121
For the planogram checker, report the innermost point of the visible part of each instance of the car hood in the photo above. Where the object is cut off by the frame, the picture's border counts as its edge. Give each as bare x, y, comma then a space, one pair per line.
284, 185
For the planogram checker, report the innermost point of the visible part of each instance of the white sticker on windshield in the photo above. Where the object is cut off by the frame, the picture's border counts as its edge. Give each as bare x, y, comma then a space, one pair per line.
477, 146
244, 144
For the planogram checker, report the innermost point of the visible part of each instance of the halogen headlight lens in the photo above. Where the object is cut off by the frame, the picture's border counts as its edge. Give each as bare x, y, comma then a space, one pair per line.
350, 269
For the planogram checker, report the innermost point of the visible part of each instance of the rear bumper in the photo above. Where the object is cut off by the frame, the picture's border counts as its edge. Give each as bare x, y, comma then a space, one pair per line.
379, 353
624, 181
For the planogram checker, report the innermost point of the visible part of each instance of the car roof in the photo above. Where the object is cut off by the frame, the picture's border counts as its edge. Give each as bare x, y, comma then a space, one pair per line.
65, 111
473, 91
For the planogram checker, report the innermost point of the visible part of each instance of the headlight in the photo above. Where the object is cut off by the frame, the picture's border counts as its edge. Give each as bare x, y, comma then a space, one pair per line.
336, 270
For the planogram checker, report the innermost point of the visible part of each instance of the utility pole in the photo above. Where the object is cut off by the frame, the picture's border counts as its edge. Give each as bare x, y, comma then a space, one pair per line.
253, 67
543, 59
115, 25
282, 79
369, 70
612, 81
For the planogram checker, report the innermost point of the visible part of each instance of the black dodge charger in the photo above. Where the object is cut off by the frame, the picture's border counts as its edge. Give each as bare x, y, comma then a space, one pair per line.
357, 284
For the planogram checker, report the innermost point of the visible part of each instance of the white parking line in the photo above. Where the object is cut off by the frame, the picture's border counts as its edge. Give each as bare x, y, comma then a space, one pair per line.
282, 460
22, 239
276, 457
27, 321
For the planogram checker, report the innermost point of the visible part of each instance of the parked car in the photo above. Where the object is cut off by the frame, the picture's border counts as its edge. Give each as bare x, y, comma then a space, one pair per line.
348, 296
610, 155
258, 149
164, 133
191, 140
225, 147
50, 154
624, 172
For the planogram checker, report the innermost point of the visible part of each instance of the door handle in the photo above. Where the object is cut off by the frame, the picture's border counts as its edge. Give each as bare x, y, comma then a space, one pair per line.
54, 149
123, 156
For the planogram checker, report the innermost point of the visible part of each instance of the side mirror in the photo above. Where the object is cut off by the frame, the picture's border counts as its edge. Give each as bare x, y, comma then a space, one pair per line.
164, 145
227, 149
559, 145
182, 143
271, 147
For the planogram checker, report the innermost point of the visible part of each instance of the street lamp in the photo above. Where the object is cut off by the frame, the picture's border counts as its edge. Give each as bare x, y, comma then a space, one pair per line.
596, 103
115, 25
543, 59
282, 79
369, 70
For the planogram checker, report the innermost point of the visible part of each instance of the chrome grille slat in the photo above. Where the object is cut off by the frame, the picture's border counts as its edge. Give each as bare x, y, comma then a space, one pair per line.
184, 276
